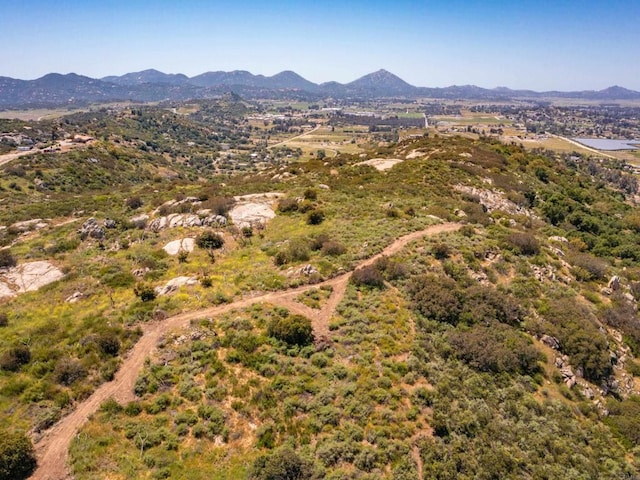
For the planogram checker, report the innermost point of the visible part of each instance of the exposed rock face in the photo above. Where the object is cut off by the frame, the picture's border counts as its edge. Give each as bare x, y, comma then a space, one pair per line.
251, 213
185, 245
27, 277
174, 284
75, 297
568, 377
552, 342
91, 229
175, 220
614, 283
381, 164
185, 220
308, 270
27, 225
140, 221
558, 239
542, 273
494, 200
108, 223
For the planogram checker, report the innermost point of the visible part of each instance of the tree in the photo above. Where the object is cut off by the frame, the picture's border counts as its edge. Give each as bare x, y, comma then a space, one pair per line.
17, 456
210, 241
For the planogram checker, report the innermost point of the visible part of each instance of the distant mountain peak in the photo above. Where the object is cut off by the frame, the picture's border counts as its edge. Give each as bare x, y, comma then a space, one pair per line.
382, 82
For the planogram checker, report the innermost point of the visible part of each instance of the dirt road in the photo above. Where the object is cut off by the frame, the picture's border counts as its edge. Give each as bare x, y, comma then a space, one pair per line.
52, 449
280, 144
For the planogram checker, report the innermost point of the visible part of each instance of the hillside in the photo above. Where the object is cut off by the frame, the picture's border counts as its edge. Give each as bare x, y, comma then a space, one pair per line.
413, 310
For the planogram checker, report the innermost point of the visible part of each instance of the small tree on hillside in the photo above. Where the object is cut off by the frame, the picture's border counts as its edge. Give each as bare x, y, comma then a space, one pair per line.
210, 241
17, 457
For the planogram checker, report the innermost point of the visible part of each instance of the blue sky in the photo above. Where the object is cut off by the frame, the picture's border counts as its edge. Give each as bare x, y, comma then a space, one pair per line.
542, 45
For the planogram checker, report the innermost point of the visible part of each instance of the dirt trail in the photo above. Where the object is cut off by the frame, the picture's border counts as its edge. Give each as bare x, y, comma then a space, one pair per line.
52, 449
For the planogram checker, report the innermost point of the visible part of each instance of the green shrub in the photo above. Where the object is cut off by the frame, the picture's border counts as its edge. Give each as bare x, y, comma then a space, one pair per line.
68, 371
333, 247
586, 267
210, 240
4, 320
108, 343
134, 202
292, 329
441, 251
436, 298
283, 464
315, 217
17, 456
144, 292
6, 259
219, 205
15, 357
493, 347
524, 243
310, 194
286, 205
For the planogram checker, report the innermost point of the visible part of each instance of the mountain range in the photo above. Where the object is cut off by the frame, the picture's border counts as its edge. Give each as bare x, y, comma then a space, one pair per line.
55, 89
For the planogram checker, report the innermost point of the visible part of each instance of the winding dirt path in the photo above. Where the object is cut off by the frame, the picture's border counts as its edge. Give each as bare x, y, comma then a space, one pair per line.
52, 449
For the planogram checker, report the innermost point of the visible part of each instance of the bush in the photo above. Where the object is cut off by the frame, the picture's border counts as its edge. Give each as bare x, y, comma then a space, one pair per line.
283, 464
368, 276
622, 316
4, 320
210, 240
484, 304
287, 205
587, 267
299, 250
436, 298
6, 259
333, 247
496, 348
315, 217
219, 205
624, 419
441, 251
108, 343
524, 243
68, 371
310, 194
577, 330
134, 202
292, 329
15, 357
144, 292
17, 456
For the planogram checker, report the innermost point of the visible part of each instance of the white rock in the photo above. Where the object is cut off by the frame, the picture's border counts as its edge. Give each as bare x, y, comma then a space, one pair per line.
174, 284
184, 244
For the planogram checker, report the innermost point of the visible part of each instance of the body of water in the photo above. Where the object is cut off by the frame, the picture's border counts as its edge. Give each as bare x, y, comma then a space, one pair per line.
611, 145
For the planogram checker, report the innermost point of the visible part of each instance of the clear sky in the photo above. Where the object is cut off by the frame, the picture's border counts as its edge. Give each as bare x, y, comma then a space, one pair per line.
542, 45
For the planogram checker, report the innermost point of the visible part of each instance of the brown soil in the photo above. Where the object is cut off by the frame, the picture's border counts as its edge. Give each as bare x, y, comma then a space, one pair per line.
52, 448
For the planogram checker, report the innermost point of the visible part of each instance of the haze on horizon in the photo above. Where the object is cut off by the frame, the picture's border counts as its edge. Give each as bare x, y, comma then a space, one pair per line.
544, 45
